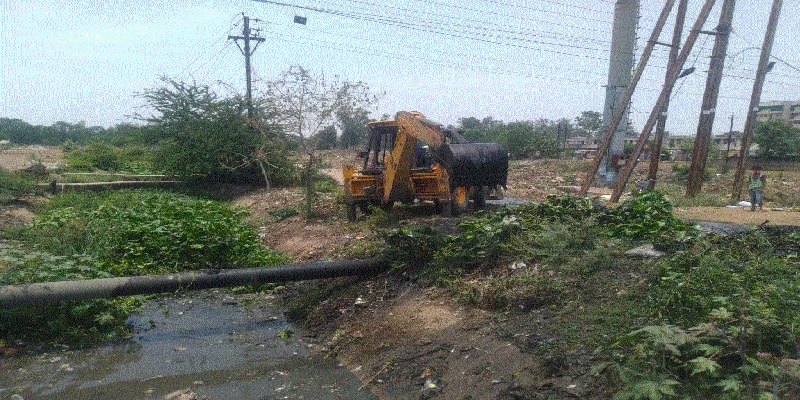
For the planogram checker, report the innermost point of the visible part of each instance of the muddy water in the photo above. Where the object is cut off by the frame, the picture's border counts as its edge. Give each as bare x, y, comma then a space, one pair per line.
202, 345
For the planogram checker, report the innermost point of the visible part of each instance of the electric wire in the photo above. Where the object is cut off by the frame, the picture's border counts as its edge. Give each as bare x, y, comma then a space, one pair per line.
432, 29
483, 24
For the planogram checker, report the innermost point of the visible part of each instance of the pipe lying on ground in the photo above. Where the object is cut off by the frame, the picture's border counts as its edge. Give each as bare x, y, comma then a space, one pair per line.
54, 187
53, 292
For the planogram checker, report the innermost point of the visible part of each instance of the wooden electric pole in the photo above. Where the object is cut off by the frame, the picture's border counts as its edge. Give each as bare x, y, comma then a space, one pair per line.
246, 37
672, 72
702, 141
655, 152
730, 135
755, 98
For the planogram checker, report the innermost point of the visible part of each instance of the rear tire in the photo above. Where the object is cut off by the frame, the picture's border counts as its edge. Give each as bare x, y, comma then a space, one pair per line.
447, 209
496, 193
480, 196
352, 216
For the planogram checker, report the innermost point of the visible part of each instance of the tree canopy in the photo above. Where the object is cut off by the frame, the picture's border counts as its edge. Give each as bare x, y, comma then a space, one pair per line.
776, 140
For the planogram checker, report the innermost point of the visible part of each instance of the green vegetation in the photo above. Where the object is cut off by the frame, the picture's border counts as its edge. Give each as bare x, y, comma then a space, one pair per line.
87, 235
717, 318
102, 156
522, 139
16, 184
776, 140
724, 325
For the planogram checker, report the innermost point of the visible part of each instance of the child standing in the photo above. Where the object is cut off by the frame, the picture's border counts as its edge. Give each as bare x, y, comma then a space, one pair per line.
756, 188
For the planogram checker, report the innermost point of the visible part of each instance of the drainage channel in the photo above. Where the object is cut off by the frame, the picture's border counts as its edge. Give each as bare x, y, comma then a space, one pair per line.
201, 345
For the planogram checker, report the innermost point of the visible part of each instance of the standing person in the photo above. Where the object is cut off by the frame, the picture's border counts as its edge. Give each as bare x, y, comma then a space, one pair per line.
756, 188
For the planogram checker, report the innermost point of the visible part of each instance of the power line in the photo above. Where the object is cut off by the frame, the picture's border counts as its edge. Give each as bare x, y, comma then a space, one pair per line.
430, 27
483, 24
429, 60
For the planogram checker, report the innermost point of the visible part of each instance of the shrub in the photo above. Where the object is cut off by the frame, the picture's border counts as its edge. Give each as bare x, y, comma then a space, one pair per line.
646, 216
15, 184
142, 232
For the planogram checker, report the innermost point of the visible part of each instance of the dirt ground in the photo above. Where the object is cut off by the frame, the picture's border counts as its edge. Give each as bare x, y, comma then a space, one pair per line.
739, 215
16, 158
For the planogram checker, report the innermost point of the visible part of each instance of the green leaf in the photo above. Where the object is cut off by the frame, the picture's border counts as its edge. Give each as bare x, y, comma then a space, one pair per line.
730, 384
704, 364
720, 313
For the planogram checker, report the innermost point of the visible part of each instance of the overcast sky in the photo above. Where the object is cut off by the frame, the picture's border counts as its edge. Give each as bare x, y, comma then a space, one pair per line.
68, 60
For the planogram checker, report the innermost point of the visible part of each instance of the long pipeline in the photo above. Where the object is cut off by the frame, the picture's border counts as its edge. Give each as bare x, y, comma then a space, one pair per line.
53, 292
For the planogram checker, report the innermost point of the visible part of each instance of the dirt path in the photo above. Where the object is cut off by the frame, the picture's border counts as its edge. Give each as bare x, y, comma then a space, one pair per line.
738, 215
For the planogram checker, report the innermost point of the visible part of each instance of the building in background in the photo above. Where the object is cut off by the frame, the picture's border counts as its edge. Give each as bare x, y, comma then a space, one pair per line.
786, 111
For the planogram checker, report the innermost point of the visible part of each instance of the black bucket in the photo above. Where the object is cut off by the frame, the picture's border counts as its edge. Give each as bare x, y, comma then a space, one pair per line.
475, 164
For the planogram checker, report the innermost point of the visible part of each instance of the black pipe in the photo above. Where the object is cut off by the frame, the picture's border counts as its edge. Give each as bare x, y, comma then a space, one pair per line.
52, 292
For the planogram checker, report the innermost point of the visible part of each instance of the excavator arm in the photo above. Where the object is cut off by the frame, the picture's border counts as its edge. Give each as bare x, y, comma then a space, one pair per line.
411, 126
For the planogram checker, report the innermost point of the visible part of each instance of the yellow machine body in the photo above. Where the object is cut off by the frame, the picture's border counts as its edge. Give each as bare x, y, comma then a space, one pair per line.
402, 162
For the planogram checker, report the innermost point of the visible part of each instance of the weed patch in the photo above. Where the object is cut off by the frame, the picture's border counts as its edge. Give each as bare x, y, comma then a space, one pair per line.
146, 232
15, 184
724, 318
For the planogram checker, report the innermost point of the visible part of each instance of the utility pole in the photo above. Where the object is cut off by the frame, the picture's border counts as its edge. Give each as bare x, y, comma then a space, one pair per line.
246, 37
702, 141
672, 71
622, 104
755, 98
730, 135
655, 152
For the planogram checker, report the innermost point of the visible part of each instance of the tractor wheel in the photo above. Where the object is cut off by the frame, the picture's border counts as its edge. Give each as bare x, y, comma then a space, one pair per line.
480, 196
496, 193
447, 209
351, 212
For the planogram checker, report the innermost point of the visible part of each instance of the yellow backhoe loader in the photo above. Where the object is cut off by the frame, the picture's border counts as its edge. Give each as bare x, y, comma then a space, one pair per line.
411, 159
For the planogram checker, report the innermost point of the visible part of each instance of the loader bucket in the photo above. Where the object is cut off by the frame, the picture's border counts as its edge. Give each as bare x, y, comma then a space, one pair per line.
475, 164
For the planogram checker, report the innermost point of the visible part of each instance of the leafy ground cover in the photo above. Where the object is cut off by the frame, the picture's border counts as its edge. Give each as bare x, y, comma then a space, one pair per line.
122, 233
717, 318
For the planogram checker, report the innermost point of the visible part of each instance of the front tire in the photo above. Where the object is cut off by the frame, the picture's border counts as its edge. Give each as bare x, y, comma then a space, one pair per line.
352, 216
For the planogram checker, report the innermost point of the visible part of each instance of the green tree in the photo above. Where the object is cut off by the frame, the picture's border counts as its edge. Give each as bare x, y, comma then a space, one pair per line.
353, 124
301, 103
203, 134
776, 140
589, 123
19, 131
470, 123
325, 139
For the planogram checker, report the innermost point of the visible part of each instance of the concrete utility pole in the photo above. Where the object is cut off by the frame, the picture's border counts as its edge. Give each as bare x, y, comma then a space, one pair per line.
672, 72
620, 66
655, 152
246, 37
755, 98
622, 104
702, 141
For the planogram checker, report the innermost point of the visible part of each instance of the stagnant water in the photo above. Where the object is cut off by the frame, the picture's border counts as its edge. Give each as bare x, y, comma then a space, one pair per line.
208, 344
